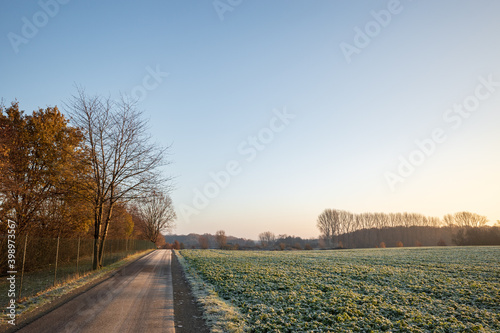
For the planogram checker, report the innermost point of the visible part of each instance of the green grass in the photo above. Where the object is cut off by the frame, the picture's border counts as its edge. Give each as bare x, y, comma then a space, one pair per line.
374, 290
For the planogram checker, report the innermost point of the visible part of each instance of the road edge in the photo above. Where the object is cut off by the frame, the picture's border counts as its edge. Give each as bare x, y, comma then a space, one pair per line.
219, 314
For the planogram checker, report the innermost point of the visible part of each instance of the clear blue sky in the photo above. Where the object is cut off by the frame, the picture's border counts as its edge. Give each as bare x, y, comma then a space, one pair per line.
360, 81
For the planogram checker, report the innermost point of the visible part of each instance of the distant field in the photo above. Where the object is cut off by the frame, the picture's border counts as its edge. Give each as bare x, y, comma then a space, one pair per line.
381, 290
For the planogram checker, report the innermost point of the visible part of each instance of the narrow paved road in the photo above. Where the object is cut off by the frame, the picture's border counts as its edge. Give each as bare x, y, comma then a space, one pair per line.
138, 298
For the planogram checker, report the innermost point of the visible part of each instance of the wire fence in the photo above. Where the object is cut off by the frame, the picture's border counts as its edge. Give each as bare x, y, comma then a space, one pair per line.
41, 263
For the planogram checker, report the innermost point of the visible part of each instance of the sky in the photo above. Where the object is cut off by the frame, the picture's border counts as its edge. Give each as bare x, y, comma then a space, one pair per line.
278, 110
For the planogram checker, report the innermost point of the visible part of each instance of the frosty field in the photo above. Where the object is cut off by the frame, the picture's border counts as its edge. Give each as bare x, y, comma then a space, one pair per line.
374, 290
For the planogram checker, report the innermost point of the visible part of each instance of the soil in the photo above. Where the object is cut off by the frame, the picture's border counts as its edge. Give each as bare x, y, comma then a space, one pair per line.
187, 312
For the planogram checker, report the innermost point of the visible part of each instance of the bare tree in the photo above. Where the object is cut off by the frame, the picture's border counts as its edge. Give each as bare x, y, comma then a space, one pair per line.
221, 238
267, 238
124, 162
467, 219
158, 215
328, 224
347, 222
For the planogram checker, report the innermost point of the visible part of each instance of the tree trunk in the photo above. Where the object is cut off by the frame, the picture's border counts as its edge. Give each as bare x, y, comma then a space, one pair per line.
96, 263
105, 232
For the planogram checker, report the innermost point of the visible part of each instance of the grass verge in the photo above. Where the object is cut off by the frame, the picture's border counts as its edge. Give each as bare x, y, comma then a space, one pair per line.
219, 314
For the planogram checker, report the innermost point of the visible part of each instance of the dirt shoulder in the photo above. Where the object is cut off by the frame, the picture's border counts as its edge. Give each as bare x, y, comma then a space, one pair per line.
187, 312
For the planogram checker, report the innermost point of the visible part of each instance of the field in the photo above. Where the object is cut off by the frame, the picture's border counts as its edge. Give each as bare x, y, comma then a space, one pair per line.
374, 290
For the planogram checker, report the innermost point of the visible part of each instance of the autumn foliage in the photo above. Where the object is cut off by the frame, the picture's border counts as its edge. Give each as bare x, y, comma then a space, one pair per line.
42, 172
56, 182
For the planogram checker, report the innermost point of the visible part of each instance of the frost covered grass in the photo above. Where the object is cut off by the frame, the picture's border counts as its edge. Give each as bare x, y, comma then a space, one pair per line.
219, 314
371, 290
28, 304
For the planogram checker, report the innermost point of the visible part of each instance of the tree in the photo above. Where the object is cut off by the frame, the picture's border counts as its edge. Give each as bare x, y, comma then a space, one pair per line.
121, 225
160, 243
41, 168
203, 241
449, 220
124, 163
328, 224
467, 219
266, 238
221, 238
347, 224
157, 215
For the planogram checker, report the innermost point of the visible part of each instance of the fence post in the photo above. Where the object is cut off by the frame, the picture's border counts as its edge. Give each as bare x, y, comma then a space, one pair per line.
22, 271
57, 256
77, 256
93, 249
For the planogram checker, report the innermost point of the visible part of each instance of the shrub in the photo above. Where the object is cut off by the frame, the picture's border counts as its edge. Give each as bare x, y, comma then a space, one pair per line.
399, 244
441, 242
382, 245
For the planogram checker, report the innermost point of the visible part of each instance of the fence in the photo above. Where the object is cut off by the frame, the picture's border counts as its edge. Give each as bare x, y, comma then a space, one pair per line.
42, 263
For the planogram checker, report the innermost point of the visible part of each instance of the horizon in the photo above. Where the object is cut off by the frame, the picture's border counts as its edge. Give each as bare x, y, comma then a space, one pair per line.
277, 111
318, 236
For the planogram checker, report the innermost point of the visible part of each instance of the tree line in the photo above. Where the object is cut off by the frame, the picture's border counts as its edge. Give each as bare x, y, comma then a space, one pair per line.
220, 240
340, 228
403, 235
96, 174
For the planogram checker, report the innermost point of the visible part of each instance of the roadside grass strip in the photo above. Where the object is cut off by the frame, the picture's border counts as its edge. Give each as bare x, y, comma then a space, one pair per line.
219, 314
452, 289
28, 304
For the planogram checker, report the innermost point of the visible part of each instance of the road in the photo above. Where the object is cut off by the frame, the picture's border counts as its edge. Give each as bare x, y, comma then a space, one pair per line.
138, 298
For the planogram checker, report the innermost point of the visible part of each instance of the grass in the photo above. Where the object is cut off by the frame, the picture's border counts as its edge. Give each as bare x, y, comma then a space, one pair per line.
452, 289
219, 314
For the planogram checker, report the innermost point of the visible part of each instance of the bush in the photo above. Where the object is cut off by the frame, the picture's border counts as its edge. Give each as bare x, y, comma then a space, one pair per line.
308, 247
441, 242
382, 245
399, 244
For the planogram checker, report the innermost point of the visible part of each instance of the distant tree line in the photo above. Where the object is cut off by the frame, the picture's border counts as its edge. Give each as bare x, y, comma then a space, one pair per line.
267, 241
208, 241
343, 229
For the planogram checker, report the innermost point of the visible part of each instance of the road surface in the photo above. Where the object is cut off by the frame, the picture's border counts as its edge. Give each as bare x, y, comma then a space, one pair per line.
138, 298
